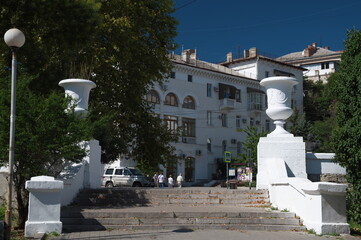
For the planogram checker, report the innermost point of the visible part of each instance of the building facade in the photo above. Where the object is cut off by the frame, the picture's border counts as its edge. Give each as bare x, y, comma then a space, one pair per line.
319, 62
210, 103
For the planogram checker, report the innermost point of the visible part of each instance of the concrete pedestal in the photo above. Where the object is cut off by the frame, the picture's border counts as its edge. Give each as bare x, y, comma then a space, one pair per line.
44, 206
280, 156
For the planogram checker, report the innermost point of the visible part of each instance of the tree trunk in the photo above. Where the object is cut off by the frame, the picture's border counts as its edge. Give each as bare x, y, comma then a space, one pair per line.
22, 197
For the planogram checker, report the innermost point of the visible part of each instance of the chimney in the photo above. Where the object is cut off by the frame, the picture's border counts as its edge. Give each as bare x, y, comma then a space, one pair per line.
230, 57
253, 52
314, 45
186, 55
245, 53
327, 48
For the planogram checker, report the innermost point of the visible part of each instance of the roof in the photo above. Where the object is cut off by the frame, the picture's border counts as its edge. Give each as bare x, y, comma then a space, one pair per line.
240, 60
209, 66
319, 53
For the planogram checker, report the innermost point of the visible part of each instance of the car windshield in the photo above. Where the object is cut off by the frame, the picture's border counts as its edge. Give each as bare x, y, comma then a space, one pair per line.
135, 171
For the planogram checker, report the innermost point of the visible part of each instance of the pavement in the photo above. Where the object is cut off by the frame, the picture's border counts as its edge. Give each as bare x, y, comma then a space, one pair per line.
199, 235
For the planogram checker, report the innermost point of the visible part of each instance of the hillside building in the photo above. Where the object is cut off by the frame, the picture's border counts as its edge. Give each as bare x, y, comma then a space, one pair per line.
319, 62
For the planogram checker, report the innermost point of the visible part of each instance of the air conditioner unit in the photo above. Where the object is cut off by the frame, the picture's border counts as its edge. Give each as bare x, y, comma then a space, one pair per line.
198, 152
184, 140
233, 141
216, 89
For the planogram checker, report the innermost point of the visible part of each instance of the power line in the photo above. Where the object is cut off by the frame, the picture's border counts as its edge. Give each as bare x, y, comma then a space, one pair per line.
186, 4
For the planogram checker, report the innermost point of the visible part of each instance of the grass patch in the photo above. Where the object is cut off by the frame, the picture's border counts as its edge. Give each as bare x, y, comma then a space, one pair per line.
285, 210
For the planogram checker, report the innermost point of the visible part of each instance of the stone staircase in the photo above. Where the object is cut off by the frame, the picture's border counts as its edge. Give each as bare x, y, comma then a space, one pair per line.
186, 208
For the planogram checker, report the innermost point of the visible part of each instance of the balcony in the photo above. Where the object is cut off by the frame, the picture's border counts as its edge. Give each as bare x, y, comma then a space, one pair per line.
227, 104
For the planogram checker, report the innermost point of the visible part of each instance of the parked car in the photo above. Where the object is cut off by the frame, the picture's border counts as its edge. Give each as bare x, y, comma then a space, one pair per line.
124, 176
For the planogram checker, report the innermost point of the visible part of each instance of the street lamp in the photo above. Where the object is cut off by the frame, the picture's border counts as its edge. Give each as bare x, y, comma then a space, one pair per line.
14, 38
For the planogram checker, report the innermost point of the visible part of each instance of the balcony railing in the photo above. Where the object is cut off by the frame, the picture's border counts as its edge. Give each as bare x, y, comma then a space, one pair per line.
227, 104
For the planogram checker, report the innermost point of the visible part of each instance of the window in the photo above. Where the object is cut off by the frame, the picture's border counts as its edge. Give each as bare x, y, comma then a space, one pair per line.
266, 74
189, 127
238, 95
118, 172
224, 145
239, 148
255, 101
238, 121
189, 103
268, 125
190, 78
153, 97
209, 118
189, 169
171, 168
171, 100
171, 122
251, 122
209, 90
325, 65
224, 120
209, 145
172, 75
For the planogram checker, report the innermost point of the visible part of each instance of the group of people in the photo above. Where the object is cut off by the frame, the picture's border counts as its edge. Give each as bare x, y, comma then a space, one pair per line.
159, 180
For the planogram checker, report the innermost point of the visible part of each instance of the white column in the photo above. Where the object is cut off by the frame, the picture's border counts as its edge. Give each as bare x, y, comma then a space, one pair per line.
44, 205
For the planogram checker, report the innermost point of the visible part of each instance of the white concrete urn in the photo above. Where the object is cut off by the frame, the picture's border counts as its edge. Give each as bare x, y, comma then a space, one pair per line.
78, 90
279, 109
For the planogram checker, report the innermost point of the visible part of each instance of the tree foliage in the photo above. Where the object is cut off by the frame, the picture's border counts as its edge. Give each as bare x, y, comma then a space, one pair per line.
122, 44
253, 134
45, 136
319, 116
346, 89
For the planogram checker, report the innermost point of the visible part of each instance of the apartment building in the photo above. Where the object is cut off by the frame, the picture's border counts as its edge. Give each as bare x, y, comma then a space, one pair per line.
210, 103
319, 62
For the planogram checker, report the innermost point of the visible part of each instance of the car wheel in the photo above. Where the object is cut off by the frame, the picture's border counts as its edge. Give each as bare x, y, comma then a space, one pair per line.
137, 184
109, 185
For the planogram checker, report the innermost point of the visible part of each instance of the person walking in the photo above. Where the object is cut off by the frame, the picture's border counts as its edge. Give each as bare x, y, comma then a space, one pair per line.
155, 179
170, 181
161, 180
179, 180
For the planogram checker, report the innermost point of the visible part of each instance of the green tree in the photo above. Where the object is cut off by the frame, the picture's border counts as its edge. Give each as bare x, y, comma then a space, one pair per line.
45, 135
346, 89
124, 44
318, 121
253, 134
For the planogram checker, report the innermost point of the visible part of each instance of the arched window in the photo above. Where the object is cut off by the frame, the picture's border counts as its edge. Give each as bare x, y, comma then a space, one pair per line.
171, 99
189, 103
153, 97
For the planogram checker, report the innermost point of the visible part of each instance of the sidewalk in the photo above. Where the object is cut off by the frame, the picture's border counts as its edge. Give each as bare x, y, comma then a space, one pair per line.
199, 235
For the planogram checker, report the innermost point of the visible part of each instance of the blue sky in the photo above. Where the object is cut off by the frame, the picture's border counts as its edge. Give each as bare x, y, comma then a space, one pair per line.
277, 27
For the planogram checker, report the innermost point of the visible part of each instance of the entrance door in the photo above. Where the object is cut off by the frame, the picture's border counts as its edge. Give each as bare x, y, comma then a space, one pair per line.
189, 169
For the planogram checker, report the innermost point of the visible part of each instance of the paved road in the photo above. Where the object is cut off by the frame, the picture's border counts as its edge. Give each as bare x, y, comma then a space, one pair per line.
200, 235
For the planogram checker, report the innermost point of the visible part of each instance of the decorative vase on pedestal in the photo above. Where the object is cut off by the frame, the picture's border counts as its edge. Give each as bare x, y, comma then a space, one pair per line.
279, 109
78, 90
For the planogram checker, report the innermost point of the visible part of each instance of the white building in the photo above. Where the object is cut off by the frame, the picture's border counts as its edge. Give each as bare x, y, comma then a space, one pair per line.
319, 62
211, 102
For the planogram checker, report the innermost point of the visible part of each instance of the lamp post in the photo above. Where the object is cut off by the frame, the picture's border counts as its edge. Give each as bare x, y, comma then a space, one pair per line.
14, 38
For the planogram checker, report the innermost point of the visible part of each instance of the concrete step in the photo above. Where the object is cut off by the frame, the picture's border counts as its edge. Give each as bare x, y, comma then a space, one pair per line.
81, 228
117, 219
151, 196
